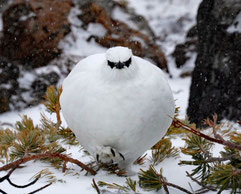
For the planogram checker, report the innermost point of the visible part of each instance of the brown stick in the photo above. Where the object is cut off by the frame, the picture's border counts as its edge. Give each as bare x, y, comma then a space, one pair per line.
177, 187
96, 187
179, 124
47, 155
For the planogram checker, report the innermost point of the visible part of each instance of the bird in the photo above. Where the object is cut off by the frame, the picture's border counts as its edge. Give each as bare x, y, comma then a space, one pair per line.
117, 104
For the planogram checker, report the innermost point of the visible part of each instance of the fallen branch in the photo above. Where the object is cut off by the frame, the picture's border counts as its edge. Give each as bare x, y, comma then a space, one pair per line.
47, 155
96, 187
41, 188
3, 192
179, 124
7, 177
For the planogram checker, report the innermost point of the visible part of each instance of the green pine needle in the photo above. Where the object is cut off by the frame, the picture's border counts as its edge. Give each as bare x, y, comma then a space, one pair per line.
150, 179
225, 177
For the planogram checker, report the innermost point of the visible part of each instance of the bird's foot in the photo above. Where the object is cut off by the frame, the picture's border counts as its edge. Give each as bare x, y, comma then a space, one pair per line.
108, 155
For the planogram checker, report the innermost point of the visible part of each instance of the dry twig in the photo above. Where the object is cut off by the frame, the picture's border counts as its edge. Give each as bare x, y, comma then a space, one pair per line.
41, 188
96, 187
47, 155
217, 139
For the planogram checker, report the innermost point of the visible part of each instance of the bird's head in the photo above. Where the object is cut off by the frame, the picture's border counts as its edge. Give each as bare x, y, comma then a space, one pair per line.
119, 57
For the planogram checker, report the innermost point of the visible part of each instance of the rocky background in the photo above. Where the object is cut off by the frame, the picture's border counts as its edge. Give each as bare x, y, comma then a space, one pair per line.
216, 79
32, 31
37, 38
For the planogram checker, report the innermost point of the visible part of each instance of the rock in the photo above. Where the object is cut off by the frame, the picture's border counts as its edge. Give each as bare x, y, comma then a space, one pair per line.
183, 51
9, 72
41, 84
3, 4
32, 30
119, 33
216, 80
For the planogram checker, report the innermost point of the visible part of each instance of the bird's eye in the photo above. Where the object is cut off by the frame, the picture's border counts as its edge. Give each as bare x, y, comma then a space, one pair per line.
111, 64
128, 62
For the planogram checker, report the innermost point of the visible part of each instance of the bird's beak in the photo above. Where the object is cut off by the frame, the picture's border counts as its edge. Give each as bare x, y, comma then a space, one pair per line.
119, 65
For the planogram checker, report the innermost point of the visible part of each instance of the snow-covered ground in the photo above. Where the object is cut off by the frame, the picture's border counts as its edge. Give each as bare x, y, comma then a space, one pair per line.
162, 16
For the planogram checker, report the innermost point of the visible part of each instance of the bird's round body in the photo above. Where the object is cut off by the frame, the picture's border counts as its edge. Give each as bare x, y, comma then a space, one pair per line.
117, 108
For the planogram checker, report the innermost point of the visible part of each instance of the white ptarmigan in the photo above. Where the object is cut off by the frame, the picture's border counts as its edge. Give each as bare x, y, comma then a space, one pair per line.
118, 105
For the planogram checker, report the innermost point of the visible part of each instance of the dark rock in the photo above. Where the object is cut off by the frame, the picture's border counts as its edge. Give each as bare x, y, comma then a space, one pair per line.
181, 52
4, 100
216, 78
192, 33
3, 4
32, 30
9, 73
40, 85
184, 50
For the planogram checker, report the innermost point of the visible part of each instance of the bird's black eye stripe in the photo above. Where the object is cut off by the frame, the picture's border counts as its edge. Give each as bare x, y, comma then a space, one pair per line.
111, 64
128, 62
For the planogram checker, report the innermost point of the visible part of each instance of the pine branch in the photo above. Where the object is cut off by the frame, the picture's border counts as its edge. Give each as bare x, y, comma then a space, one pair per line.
52, 102
151, 180
237, 172
209, 188
209, 160
140, 160
131, 183
221, 141
47, 155
225, 176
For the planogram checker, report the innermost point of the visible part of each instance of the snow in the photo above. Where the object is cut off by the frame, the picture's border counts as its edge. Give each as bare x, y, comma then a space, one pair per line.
81, 183
236, 26
75, 43
162, 16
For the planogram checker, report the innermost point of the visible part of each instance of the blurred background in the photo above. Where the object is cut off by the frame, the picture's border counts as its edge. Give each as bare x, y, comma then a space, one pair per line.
196, 42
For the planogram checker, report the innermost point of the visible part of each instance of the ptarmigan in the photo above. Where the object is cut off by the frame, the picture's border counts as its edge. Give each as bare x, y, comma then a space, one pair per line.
118, 105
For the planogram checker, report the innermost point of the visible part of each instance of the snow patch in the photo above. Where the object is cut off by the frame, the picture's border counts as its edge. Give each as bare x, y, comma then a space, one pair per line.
75, 43
236, 26
96, 29
119, 14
